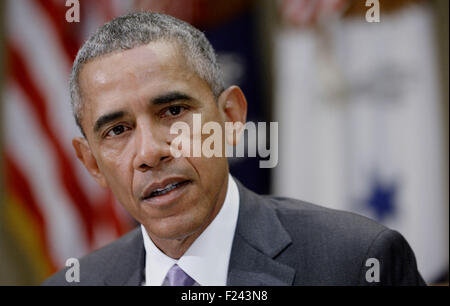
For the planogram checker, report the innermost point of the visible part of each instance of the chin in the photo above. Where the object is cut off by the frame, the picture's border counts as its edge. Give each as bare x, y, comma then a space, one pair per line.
176, 228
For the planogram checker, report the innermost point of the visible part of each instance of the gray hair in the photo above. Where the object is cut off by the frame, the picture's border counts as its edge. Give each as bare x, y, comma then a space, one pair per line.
137, 29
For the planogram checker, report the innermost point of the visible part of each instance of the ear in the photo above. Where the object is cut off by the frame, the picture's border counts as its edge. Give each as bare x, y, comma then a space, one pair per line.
85, 155
233, 108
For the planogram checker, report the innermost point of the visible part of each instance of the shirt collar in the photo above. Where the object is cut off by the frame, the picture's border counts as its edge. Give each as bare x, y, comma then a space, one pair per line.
207, 259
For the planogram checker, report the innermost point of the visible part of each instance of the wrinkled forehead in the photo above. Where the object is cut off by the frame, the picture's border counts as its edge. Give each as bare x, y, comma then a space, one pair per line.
138, 62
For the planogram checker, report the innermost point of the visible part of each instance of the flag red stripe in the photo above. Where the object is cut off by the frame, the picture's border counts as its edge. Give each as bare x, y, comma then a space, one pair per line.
19, 185
106, 8
66, 32
20, 73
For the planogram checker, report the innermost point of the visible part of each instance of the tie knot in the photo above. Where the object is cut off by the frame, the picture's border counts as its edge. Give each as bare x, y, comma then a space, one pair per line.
177, 277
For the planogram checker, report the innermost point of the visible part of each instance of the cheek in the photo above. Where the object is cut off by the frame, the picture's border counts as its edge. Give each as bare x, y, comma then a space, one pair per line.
210, 171
118, 157
117, 169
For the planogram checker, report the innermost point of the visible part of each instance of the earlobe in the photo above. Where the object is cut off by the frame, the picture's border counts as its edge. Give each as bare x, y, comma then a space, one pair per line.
85, 155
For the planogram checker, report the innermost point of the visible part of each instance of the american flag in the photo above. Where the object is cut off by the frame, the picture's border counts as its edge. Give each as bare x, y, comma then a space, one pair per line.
53, 209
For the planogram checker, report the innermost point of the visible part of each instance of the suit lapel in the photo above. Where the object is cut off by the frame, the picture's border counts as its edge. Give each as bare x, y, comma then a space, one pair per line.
258, 239
249, 267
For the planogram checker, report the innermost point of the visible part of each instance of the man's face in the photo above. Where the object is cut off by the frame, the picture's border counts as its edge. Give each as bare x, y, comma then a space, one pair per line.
130, 100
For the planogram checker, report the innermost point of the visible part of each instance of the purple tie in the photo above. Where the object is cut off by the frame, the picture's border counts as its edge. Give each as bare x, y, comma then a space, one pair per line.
177, 277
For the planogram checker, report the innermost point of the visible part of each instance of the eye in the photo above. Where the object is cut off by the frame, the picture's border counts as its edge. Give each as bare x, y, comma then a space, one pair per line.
117, 130
174, 110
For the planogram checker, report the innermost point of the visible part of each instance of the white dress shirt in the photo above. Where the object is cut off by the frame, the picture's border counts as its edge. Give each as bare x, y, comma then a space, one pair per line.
207, 259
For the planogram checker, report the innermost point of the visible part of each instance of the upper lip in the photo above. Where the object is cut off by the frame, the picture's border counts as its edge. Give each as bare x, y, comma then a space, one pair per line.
161, 184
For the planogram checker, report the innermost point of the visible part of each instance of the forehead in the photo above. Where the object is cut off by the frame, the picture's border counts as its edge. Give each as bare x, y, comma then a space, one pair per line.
137, 63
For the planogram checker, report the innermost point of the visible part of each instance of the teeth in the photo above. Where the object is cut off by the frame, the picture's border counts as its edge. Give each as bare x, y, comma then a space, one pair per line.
161, 189
164, 190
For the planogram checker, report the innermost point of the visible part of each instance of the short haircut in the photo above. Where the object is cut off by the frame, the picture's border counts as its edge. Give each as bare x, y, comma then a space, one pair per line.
137, 29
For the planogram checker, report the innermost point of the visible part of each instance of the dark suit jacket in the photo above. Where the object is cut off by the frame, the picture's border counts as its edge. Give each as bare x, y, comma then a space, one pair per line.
278, 241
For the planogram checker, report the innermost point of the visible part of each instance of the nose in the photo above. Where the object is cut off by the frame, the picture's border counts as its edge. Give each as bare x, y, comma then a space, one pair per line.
151, 148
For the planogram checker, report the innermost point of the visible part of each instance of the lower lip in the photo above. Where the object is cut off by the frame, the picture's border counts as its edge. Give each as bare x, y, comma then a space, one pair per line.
168, 198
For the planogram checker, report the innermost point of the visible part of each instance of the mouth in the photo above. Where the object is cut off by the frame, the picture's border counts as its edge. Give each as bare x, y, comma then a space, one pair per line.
162, 189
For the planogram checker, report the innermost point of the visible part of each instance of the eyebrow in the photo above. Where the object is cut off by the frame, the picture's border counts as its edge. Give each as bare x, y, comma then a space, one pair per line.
170, 97
159, 100
107, 118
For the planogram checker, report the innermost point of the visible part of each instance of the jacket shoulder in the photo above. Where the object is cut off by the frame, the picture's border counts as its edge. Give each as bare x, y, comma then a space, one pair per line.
338, 244
95, 266
300, 214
